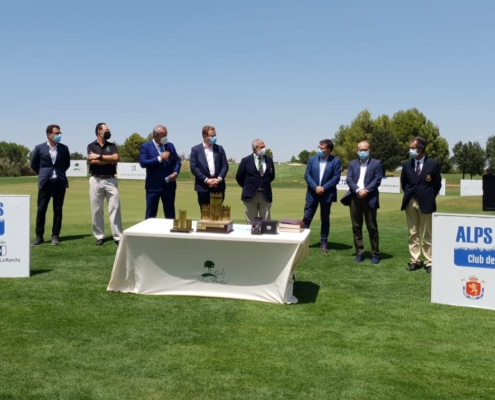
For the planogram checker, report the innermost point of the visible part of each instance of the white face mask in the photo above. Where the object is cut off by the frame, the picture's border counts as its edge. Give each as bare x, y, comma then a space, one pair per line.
261, 152
164, 140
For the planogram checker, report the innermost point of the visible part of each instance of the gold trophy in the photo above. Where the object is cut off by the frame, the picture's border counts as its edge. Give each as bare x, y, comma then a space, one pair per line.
182, 224
215, 217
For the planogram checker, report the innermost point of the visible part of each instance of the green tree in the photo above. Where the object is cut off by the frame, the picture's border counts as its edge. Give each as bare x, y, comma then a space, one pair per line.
77, 156
14, 159
129, 151
386, 148
293, 159
269, 153
490, 154
304, 156
469, 158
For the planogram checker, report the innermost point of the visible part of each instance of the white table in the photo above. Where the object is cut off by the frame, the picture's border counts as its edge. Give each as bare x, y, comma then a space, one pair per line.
152, 260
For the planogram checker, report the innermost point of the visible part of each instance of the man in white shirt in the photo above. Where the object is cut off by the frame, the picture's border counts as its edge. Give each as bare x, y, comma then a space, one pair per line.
364, 176
209, 166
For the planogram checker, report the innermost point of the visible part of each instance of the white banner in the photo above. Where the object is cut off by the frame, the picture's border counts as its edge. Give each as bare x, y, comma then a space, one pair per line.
388, 185
471, 188
14, 236
130, 171
78, 168
463, 270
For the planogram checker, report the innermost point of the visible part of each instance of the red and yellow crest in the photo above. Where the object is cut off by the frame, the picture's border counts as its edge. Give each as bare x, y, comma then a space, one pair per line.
473, 288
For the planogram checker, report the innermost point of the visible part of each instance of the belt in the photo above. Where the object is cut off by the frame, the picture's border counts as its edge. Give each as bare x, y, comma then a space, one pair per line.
104, 176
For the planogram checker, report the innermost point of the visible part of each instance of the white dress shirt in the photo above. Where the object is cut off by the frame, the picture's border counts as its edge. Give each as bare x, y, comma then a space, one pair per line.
53, 156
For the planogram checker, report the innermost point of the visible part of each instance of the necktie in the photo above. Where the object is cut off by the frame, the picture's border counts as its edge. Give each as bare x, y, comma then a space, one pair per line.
418, 169
162, 149
260, 165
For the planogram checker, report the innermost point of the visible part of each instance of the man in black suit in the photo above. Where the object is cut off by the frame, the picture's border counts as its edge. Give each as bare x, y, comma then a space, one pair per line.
364, 176
209, 165
421, 182
255, 174
50, 161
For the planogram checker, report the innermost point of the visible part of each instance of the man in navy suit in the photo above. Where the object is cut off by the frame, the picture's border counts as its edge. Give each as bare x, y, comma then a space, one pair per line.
322, 176
421, 182
254, 175
50, 161
162, 165
363, 177
209, 166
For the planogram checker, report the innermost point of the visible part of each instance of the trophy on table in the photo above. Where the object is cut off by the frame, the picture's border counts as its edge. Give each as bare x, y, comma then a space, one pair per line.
182, 224
215, 217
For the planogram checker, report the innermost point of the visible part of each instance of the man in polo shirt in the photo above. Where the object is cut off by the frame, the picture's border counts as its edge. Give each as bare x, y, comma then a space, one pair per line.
103, 157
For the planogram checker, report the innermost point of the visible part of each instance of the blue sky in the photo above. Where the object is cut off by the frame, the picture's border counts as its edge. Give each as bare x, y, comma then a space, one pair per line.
288, 72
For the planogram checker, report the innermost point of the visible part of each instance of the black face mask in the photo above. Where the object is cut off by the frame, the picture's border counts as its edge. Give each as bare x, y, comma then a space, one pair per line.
107, 135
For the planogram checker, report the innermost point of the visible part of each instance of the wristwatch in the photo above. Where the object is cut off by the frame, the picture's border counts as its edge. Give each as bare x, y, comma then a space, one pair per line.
100, 157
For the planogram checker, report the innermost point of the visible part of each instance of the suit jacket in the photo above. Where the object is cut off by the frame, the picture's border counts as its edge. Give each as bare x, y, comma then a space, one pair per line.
249, 178
42, 164
157, 171
425, 188
372, 179
199, 167
331, 178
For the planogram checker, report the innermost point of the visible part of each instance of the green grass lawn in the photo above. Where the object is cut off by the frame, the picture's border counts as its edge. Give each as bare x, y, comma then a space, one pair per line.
359, 332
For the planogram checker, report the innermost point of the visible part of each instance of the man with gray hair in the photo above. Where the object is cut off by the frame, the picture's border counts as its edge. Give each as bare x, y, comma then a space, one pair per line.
162, 164
255, 174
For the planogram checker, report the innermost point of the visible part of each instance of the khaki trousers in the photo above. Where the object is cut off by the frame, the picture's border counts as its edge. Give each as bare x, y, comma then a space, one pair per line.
98, 190
419, 225
257, 207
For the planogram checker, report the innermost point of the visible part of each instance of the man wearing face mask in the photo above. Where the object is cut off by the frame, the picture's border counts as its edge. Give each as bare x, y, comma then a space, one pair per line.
322, 176
103, 157
255, 174
421, 182
50, 161
364, 176
209, 166
162, 165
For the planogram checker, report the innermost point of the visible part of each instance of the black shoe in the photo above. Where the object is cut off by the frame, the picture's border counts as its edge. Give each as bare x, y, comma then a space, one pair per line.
39, 240
324, 248
375, 259
99, 242
55, 240
117, 242
413, 267
358, 258
428, 270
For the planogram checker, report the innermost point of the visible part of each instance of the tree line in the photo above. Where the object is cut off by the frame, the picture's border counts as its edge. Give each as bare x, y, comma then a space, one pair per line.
388, 136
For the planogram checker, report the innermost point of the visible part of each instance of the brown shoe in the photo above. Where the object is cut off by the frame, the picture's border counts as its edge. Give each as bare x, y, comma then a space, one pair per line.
324, 248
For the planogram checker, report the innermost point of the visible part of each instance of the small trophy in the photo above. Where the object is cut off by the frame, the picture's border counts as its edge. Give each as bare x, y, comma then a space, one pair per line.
215, 218
182, 224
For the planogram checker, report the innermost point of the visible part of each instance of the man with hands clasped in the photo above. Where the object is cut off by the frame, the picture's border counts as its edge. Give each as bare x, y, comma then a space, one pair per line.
364, 176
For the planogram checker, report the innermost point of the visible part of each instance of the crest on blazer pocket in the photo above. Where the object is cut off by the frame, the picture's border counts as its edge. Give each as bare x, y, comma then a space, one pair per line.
428, 178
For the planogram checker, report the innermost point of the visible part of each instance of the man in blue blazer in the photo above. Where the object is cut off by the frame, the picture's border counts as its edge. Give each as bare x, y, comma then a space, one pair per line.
364, 176
50, 161
209, 166
421, 182
162, 164
254, 175
322, 176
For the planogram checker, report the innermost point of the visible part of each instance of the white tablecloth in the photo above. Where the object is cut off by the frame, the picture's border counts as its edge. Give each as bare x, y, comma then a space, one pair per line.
152, 260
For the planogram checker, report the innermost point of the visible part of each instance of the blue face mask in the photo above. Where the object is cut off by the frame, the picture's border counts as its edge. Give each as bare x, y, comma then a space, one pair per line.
57, 138
213, 140
320, 152
363, 154
413, 153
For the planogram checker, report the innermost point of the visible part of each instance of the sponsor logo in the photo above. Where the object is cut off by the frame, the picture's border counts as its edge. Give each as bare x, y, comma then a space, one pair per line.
213, 275
473, 288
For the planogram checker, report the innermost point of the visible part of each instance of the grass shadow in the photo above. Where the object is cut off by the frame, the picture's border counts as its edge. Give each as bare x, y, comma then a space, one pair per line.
306, 292
332, 246
34, 272
73, 237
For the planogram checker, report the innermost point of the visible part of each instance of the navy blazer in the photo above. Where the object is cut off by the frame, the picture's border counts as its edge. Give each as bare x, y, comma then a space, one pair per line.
425, 188
42, 164
157, 171
249, 178
372, 179
331, 178
199, 167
